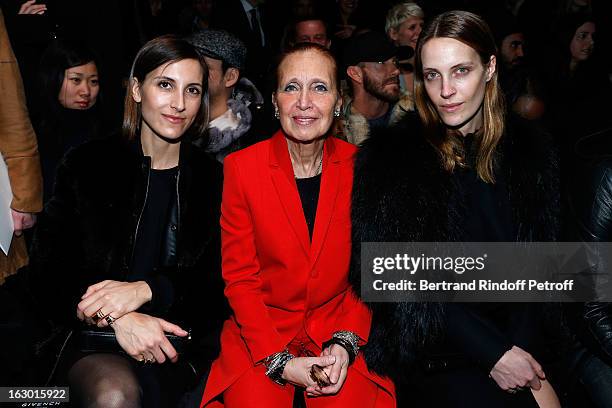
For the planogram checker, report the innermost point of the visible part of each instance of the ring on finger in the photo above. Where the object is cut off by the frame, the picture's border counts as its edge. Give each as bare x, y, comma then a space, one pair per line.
110, 319
96, 317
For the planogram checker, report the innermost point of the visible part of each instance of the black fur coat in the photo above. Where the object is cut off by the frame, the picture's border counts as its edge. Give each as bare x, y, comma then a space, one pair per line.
401, 193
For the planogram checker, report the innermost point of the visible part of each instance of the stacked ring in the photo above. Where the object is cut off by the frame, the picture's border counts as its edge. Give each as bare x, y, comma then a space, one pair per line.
96, 317
110, 319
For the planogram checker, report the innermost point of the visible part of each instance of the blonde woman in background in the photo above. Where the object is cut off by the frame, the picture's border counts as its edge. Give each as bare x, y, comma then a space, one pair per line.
403, 27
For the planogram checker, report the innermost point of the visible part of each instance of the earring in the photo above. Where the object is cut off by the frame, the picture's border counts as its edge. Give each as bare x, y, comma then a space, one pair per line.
276, 112
337, 112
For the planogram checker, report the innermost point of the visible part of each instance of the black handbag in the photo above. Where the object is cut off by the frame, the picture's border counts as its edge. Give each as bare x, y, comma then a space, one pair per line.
92, 340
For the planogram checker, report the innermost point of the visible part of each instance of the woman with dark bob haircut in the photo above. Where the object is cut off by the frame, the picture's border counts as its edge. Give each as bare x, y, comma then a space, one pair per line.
68, 112
461, 171
129, 242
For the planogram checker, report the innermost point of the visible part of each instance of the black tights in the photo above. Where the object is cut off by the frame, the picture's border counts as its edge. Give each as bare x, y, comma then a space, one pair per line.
104, 381
108, 380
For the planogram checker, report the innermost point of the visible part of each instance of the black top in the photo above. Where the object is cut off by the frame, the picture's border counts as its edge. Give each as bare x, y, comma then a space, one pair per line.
153, 221
488, 216
56, 135
489, 328
309, 195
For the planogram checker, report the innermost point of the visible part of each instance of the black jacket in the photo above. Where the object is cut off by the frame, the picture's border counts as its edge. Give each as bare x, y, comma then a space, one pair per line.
87, 231
591, 208
401, 193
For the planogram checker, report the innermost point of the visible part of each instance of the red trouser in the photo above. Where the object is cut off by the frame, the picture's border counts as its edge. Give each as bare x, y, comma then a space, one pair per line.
254, 389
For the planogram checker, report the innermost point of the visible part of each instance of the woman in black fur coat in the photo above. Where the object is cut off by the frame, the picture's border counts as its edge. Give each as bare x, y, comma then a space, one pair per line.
129, 243
463, 172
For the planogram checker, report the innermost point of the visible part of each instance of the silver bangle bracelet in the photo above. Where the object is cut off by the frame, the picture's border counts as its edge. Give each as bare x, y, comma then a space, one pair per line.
275, 365
348, 337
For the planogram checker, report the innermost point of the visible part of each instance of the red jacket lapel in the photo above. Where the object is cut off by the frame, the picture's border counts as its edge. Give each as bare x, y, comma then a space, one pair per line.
284, 183
330, 183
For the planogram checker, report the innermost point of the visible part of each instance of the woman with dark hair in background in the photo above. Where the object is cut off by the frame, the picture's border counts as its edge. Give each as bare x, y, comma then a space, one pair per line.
464, 172
69, 108
579, 88
130, 240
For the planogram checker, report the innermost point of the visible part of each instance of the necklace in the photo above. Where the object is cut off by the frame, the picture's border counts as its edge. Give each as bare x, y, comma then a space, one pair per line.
320, 166
317, 171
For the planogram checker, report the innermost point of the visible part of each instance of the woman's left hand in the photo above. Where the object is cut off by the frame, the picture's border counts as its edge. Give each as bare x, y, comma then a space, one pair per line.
336, 372
112, 298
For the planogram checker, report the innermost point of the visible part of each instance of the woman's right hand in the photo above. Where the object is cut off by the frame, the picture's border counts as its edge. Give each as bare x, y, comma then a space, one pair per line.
297, 372
517, 369
143, 337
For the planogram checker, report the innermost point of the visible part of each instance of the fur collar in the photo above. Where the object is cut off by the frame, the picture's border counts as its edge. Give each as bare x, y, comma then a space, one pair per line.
401, 193
355, 125
229, 127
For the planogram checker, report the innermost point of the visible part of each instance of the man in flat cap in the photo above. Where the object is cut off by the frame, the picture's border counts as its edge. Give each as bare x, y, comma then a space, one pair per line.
233, 100
373, 76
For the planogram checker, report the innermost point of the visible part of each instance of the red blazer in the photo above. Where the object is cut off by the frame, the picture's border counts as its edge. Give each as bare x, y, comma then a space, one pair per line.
277, 280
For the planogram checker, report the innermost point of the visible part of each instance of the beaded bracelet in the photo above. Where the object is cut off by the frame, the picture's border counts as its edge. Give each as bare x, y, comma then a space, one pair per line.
348, 340
275, 365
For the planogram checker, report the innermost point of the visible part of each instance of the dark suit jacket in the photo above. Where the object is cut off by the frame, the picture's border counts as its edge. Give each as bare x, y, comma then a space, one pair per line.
229, 15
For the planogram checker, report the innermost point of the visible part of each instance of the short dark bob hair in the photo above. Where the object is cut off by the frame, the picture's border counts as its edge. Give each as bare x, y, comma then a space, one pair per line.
155, 53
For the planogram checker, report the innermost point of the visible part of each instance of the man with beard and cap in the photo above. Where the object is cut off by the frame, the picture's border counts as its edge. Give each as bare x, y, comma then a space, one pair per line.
234, 101
374, 101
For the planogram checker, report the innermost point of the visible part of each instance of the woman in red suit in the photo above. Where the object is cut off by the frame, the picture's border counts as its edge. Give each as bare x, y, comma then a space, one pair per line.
286, 247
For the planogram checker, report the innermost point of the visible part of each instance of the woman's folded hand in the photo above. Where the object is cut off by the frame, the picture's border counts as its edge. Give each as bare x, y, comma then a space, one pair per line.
112, 298
143, 337
297, 372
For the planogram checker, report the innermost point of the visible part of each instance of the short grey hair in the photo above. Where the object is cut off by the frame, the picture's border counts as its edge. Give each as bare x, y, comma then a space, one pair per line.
400, 13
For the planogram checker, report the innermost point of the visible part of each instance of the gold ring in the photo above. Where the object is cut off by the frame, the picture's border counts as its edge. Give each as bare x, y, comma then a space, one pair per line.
110, 319
97, 316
